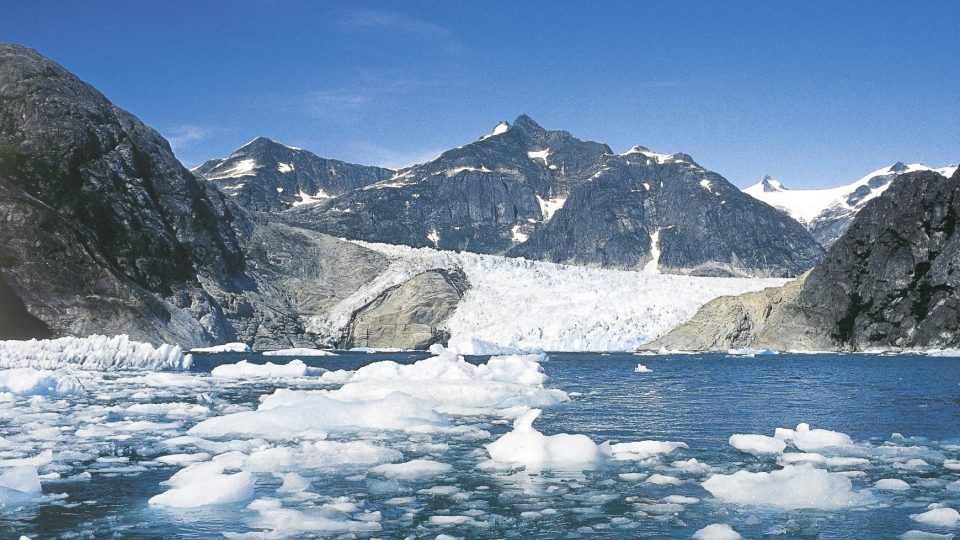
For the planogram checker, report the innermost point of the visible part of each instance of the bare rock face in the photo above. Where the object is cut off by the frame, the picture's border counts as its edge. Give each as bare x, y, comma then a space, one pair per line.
530, 192
411, 315
102, 230
889, 282
265, 175
768, 319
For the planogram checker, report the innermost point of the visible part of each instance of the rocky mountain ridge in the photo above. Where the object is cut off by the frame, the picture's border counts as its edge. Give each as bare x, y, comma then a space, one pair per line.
106, 232
545, 195
889, 282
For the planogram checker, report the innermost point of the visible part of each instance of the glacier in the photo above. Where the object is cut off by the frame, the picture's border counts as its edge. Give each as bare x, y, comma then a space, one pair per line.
515, 305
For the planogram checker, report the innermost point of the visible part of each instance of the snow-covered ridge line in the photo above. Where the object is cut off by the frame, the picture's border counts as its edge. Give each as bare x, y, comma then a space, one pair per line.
100, 353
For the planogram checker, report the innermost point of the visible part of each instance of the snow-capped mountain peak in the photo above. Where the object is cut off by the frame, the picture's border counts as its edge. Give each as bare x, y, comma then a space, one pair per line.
770, 184
502, 127
828, 212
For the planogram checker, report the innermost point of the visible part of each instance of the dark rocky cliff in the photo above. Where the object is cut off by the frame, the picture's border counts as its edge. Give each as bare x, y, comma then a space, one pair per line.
104, 231
529, 192
889, 282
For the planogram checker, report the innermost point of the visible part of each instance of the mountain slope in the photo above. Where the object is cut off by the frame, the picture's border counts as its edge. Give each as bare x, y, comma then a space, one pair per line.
889, 281
106, 232
546, 195
267, 176
827, 213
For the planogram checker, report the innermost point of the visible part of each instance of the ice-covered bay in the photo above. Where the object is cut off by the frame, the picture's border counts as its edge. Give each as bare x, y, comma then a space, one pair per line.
515, 305
424, 444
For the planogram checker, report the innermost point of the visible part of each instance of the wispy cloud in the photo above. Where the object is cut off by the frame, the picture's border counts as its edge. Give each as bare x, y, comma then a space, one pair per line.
183, 136
384, 21
341, 107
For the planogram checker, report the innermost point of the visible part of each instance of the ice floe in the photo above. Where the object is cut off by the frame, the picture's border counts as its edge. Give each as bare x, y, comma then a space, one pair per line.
528, 447
792, 487
245, 369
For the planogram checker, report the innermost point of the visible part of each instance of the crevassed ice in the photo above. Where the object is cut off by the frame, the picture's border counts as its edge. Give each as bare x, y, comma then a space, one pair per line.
94, 352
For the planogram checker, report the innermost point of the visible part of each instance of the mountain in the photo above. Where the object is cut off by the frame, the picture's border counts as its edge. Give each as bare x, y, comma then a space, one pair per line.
827, 213
529, 192
104, 231
890, 281
268, 176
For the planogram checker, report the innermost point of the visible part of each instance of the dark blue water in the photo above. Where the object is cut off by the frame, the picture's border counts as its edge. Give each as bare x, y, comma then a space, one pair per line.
697, 399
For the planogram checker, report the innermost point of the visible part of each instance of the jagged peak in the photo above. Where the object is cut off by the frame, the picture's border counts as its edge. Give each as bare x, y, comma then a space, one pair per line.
526, 123
897, 167
770, 184
262, 142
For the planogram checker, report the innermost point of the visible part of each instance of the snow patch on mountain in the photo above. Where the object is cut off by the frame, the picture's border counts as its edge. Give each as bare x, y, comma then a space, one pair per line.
549, 206
244, 167
515, 305
542, 155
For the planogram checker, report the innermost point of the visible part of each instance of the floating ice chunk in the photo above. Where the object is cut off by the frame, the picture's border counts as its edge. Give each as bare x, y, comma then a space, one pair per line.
288, 413
528, 447
19, 484
807, 439
793, 487
642, 369
448, 380
663, 480
183, 459
287, 522
32, 382
938, 517
641, 450
235, 347
632, 477
717, 531
247, 370
319, 455
891, 484
293, 482
954, 486
952, 464
831, 461
691, 466
680, 499
923, 535
757, 444
94, 353
38, 460
915, 463
299, 351
412, 470
206, 487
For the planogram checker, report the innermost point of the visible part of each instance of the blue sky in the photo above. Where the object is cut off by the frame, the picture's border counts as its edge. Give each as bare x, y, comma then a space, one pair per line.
815, 94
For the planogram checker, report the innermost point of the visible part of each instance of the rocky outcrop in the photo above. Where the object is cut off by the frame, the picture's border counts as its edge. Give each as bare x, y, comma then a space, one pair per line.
889, 282
768, 319
529, 192
412, 315
104, 231
267, 176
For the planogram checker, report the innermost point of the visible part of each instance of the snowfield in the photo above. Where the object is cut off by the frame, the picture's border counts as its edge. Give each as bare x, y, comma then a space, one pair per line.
515, 305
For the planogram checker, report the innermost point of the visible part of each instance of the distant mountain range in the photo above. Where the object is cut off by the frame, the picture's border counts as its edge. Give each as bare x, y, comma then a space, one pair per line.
525, 191
827, 213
